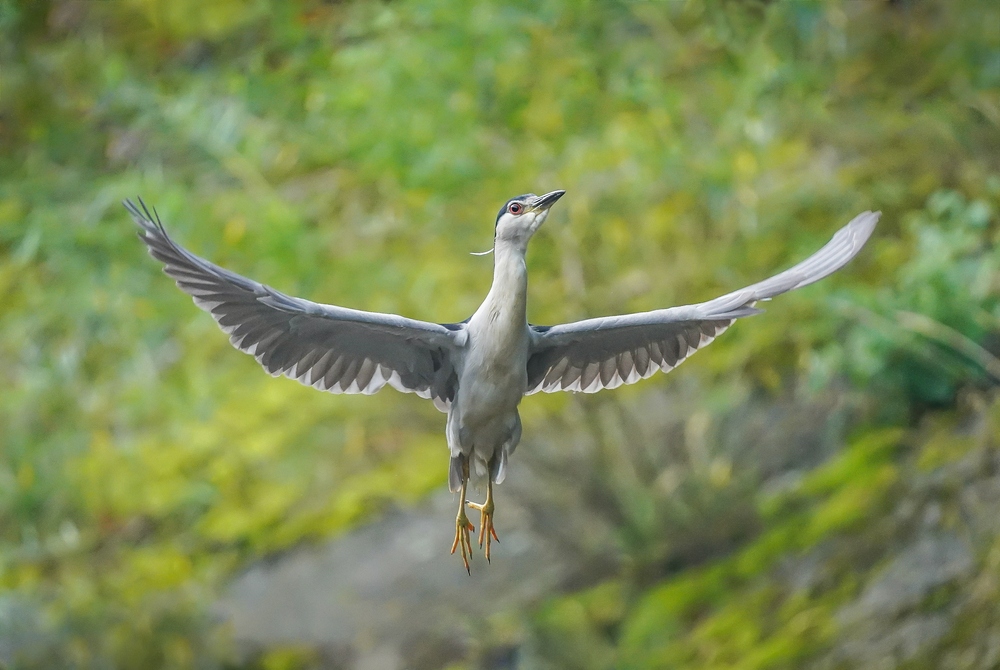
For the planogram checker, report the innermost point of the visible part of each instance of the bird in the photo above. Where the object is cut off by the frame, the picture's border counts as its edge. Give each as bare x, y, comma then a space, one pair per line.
476, 371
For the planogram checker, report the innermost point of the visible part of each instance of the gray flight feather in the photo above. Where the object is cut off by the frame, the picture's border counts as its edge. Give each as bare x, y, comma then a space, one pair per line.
331, 348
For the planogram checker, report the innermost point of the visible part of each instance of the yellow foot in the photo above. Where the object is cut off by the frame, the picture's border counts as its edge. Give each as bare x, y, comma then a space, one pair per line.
486, 530
462, 528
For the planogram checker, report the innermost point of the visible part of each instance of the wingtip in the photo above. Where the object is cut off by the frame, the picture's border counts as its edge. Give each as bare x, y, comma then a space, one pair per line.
867, 218
861, 227
148, 220
133, 209
130, 207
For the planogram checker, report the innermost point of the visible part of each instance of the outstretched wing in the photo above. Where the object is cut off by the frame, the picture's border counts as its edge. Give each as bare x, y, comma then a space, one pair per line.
607, 352
328, 347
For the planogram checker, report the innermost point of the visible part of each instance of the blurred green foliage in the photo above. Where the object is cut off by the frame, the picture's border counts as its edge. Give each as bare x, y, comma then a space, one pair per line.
922, 334
354, 153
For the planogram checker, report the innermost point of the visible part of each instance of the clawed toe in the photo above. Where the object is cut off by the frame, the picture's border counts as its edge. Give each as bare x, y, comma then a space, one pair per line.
486, 529
463, 527
462, 539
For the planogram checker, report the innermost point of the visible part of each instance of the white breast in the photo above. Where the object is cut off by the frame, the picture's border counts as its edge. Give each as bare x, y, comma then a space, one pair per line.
493, 376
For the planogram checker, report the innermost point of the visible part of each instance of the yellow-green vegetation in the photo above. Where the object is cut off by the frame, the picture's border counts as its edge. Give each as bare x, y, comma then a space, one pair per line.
355, 152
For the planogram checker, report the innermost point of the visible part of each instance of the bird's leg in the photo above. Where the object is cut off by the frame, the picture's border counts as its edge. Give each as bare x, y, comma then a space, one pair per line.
486, 530
462, 523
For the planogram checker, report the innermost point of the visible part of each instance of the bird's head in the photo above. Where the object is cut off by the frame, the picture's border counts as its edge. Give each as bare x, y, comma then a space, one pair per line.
520, 217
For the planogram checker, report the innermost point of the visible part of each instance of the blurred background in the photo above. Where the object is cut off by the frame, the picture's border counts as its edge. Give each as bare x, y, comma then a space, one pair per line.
817, 489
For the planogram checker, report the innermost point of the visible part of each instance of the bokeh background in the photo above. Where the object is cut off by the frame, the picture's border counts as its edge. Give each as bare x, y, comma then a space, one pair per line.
818, 489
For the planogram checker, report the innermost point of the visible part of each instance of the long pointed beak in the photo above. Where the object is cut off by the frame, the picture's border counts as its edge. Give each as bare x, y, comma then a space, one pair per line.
543, 202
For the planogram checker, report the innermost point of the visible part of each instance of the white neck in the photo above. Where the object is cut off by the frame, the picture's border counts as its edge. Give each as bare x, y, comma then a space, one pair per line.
506, 303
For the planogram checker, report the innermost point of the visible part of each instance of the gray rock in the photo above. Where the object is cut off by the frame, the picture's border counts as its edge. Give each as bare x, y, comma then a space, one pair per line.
932, 561
880, 648
392, 583
23, 633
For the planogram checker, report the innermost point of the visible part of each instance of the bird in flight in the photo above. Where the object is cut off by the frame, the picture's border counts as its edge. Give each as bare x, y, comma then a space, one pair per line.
476, 371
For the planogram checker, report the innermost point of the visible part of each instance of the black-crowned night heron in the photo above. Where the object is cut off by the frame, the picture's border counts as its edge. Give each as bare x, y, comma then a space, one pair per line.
476, 371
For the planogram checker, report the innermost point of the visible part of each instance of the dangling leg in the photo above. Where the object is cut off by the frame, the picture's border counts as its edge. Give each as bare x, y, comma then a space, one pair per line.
462, 523
486, 529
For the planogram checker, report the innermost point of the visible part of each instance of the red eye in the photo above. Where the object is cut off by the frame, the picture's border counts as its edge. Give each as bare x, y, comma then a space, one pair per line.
515, 208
